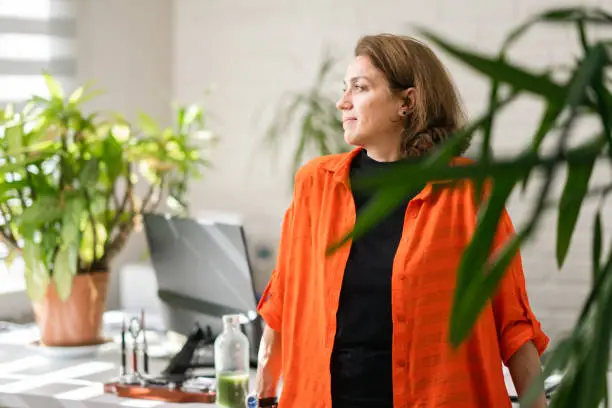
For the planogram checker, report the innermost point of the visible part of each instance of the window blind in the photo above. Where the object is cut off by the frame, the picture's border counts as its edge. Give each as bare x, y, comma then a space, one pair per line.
36, 36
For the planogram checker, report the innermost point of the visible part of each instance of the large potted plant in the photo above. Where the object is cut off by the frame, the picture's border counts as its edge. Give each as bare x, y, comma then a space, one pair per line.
73, 186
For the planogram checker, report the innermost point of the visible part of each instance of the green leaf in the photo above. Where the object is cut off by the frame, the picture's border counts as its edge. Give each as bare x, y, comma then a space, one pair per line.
9, 111
557, 360
45, 209
10, 186
14, 137
36, 274
64, 269
604, 107
193, 114
148, 125
55, 89
10, 258
552, 112
384, 201
597, 242
589, 388
504, 72
86, 250
569, 15
480, 289
475, 284
76, 95
18, 165
588, 72
80, 96
576, 187
410, 177
591, 302
113, 158
71, 221
88, 175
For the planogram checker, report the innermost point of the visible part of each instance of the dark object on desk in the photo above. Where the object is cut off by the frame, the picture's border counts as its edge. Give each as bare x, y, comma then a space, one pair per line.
203, 272
184, 359
123, 350
145, 351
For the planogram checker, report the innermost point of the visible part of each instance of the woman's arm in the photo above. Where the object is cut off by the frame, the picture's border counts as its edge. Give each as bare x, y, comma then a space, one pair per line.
524, 366
268, 364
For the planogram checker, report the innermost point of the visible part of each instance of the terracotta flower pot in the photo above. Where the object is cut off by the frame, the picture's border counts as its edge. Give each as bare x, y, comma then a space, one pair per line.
77, 321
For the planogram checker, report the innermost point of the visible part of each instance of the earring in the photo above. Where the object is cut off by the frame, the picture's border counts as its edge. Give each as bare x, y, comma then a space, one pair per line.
403, 112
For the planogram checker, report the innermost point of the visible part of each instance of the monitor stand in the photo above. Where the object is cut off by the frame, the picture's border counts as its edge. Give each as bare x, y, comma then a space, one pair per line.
196, 353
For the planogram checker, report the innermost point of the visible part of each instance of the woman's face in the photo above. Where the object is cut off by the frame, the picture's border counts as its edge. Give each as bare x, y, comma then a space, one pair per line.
371, 115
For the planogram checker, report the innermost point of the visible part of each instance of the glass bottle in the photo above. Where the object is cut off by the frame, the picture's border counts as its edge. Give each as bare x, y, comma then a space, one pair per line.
232, 364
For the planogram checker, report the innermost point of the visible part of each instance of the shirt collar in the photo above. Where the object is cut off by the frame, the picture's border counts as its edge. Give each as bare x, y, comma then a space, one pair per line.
341, 170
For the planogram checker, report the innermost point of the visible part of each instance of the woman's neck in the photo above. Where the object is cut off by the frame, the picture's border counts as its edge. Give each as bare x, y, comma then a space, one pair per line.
379, 154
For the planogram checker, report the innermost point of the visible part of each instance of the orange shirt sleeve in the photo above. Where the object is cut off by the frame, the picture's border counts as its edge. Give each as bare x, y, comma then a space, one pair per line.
270, 306
515, 321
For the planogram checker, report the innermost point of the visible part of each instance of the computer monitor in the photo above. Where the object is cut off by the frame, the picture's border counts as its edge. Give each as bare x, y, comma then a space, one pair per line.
203, 272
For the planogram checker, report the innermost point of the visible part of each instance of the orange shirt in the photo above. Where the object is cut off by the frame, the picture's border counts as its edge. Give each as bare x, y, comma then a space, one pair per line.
301, 298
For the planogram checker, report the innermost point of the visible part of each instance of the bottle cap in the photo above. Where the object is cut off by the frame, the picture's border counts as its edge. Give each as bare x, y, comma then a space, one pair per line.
231, 319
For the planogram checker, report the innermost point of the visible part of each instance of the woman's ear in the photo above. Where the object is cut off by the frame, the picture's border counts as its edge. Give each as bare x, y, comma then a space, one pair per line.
409, 96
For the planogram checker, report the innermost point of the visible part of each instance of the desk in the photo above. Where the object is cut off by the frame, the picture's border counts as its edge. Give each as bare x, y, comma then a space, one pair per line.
30, 380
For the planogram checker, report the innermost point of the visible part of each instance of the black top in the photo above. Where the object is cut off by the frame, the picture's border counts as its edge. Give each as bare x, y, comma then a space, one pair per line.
361, 363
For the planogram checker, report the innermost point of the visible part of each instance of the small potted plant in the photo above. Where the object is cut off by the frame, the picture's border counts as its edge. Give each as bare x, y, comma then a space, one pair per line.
73, 186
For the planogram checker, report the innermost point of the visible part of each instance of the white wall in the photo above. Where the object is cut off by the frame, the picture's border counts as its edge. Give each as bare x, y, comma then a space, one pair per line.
255, 51
126, 48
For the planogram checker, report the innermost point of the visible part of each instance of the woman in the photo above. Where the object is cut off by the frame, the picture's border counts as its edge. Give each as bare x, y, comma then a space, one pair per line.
368, 326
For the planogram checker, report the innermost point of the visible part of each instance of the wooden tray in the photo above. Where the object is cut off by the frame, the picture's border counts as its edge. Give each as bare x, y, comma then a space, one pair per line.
158, 393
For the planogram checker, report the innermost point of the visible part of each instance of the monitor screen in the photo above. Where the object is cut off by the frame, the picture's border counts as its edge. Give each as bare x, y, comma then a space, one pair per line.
202, 269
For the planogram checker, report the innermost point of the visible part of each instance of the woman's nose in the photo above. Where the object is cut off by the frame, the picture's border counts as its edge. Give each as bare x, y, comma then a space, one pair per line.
343, 103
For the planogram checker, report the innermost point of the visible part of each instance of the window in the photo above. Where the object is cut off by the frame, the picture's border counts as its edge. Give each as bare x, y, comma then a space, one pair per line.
35, 36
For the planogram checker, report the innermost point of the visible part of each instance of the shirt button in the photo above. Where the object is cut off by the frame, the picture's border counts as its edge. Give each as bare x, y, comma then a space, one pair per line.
402, 277
401, 363
401, 318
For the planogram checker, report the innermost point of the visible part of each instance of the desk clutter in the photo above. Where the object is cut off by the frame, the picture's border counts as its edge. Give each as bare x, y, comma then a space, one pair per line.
179, 381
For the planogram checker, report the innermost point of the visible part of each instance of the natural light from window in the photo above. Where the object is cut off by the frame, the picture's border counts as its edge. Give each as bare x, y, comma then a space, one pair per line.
36, 9
32, 35
34, 47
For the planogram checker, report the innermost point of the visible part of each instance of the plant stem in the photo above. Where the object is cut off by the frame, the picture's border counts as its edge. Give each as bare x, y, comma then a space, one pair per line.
150, 194
92, 220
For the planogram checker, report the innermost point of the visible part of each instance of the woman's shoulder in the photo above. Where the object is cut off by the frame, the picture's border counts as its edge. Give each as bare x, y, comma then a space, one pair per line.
465, 188
320, 166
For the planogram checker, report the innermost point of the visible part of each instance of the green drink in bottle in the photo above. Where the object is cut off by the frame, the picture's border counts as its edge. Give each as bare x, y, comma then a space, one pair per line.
232, 364
232, 389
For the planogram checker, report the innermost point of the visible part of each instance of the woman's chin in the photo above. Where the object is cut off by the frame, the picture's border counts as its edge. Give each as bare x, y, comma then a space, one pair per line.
352, 138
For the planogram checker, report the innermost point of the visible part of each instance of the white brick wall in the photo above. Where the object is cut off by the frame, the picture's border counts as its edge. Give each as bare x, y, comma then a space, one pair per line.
255, 51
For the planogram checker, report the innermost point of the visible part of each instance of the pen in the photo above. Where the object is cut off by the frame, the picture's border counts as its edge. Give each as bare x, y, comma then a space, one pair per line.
145, 354
123, 356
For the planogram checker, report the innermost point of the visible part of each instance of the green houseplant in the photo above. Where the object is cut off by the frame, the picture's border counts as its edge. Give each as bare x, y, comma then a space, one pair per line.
73, 187
583, 356
313, 114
